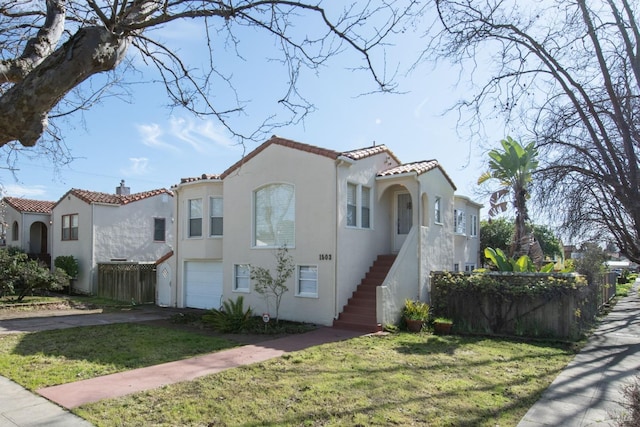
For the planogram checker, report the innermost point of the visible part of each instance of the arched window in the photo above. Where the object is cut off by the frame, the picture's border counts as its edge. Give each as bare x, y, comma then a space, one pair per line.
274, 216
15, 232
425, 210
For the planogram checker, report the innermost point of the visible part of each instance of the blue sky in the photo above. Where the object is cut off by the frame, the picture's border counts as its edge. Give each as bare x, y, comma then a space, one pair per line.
151, 146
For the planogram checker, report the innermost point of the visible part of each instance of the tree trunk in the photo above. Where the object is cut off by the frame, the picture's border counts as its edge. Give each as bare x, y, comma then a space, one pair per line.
24, 106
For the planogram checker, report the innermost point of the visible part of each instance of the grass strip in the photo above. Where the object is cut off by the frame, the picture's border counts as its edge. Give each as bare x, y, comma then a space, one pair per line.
399, 379
47, 358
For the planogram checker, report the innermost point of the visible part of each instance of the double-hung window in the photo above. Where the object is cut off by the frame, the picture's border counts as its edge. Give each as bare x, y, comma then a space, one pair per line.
195, 218
159, 227
70, 227
459, 223
473, 225
241, 277
358, 206
274, 216
307, 281
215, 214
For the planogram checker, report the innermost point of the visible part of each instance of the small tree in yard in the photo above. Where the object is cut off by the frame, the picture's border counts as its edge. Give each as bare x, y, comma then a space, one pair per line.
20, 275
271, 287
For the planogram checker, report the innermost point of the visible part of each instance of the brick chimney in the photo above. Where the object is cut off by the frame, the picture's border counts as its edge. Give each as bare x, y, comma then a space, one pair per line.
122, 190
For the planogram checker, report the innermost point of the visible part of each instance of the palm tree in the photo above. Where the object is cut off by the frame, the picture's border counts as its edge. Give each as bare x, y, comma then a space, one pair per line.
513, 168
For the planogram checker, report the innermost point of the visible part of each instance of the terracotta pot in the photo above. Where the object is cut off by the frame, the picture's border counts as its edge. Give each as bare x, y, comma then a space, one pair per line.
442, 328
414, 325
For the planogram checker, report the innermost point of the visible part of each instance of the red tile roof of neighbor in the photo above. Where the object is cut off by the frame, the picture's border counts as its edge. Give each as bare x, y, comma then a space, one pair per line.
353, 154
113, 199
29, 205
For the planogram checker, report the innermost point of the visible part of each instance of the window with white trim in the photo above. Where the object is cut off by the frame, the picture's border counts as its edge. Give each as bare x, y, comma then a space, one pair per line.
215, 216
358, 206
473, 225
437, 210
274, 216
195, 218
307, 281
15, 231
469, 267
459, 223
241, 277
456, 267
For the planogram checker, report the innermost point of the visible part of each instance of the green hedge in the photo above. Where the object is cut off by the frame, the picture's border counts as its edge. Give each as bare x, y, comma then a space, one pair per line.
524, 304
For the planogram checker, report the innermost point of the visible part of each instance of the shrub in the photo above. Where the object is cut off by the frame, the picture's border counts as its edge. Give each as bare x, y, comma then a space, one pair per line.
20, 276
68, 264
631, 418
231, 318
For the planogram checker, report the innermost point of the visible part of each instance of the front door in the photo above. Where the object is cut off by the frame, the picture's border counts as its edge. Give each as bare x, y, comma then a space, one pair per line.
403, 219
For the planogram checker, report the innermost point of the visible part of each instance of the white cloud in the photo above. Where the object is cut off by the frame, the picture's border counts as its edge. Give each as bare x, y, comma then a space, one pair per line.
28, 192
152, 134
417, 112
200, 135
137, 166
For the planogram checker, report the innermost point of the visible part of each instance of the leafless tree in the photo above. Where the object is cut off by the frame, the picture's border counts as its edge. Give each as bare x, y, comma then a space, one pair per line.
565, 73
53, 50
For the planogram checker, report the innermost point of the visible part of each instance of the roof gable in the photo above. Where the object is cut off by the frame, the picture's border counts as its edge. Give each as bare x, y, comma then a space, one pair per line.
417, 168
29, 205
95, 197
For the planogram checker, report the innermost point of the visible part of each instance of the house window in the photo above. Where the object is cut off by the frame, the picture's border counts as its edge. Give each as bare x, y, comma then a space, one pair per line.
352, 208
241, 277
473, 225
307, 281
469, 267
215, 213
365, 211
437, 214
459, 225
358, 201
456, 267
159, 226
274, 216
15, 232
70, 227
195, 218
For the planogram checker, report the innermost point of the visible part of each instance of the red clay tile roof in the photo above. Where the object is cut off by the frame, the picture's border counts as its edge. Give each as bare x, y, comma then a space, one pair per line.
29, 205
361, 153
418, 168
112, 199
285, 143
203, 177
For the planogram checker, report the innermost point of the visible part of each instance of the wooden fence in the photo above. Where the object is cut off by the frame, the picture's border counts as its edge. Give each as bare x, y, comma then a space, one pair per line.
513, 303
127, 282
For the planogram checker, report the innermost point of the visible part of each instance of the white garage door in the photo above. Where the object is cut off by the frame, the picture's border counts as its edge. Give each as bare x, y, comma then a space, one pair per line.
203, 284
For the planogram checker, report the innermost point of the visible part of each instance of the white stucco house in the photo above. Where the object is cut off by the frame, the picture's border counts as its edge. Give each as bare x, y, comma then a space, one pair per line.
466, 231
98, 227
26, 225
364, 231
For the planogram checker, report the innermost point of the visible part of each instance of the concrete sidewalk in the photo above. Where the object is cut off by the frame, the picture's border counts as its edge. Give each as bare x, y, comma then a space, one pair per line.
589, 390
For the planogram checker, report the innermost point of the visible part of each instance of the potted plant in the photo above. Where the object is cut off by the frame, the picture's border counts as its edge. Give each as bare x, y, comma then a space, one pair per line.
442, 325
415, 314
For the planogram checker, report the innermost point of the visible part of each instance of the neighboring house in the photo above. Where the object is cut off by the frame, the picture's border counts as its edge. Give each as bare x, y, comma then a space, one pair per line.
466, 230
26, 225
98, 227
339, 214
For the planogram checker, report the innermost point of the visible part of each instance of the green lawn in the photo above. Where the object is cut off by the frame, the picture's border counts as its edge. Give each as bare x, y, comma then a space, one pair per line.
400, 379
49, 358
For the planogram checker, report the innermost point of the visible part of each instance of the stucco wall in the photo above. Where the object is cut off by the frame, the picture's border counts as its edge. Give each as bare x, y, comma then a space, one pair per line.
194, 248
315, 196
81, 249
466, 247
357, 248
25, 221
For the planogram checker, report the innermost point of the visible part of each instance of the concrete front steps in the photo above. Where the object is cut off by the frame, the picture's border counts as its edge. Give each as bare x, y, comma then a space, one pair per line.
360, 312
